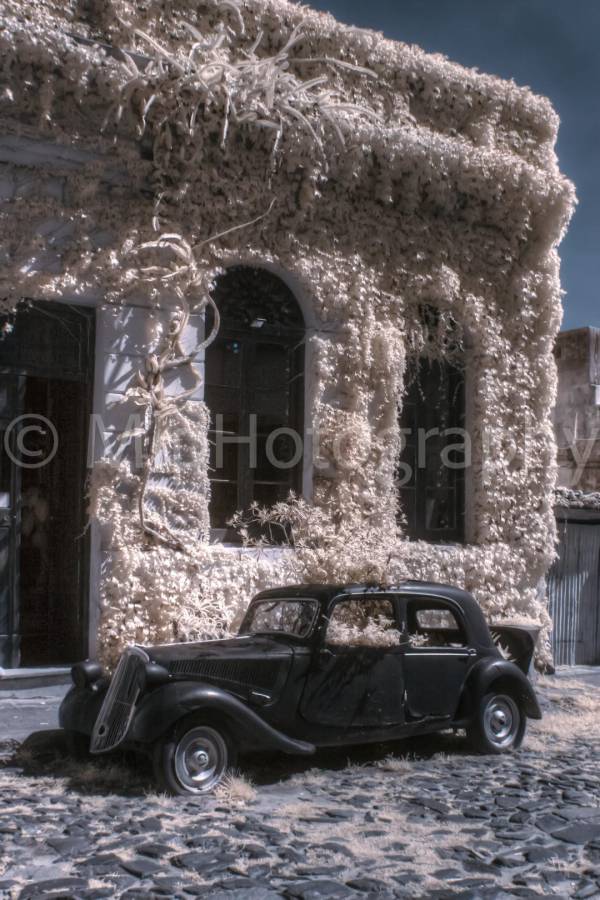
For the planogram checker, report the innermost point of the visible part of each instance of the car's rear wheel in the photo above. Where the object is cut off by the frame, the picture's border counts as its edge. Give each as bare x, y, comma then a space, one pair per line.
194, 758
498, 725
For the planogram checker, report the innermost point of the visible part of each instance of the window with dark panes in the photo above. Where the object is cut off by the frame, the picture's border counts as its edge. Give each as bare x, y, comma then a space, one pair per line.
431, 473
254, 390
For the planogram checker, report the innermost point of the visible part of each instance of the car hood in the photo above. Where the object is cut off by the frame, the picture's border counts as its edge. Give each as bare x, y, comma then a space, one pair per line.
243, 647
240, 665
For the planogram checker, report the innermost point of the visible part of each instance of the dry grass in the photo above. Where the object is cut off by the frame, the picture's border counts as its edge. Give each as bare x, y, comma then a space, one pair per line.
559, 865
288, 814
95, 777
397, 764
372, 853
23, 757
160, 800
355, 766
240, 866
236, 789
573, 714
94, 884
92, 777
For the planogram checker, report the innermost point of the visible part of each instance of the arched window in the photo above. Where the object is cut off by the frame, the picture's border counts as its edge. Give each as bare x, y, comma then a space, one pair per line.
431, 470
254, 389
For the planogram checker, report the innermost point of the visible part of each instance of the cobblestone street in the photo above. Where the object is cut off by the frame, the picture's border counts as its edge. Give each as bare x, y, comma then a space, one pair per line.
425, 820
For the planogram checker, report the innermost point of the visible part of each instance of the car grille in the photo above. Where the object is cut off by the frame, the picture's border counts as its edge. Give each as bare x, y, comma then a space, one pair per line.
118, 708
246, 673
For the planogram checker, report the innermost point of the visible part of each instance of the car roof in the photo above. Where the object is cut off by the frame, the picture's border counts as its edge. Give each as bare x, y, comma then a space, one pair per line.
325, 592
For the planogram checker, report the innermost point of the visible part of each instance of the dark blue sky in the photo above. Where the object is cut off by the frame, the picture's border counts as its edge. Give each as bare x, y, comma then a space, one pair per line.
554, 47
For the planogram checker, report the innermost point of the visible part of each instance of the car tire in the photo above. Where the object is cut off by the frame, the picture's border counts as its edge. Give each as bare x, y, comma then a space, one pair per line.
194, 758
498, 725
78, 744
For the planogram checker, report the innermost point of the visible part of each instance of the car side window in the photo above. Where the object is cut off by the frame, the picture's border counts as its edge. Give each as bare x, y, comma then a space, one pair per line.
363, 622
433, 624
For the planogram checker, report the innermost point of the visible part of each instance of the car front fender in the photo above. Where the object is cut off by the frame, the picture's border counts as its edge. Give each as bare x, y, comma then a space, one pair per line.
79, 709
498, 674
161, 709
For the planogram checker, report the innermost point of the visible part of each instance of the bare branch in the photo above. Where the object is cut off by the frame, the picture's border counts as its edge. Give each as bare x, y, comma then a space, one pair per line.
221, 234
248, 92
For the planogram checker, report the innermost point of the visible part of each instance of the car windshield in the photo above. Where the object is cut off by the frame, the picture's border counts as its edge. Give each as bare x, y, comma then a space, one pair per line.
281, 615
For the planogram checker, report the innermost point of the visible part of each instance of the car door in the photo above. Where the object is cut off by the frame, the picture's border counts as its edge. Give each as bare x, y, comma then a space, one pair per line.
437, 656
355, 679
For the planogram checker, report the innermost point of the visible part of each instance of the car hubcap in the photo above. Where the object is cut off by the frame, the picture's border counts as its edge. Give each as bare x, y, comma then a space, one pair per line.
200, 759
501, 720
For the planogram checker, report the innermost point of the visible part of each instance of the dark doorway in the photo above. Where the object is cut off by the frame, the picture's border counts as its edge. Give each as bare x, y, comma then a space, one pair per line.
46, 365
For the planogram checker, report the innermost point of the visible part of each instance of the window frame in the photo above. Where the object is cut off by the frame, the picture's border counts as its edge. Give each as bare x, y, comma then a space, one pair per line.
292, 340
412, 497
341, 598
435, 601
288, 634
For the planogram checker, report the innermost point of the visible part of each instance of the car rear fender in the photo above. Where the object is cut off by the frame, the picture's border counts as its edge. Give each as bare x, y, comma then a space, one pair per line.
498, 675
516, 643
165, 706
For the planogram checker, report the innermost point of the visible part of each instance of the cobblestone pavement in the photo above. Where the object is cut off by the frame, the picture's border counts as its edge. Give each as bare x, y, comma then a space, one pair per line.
425, 820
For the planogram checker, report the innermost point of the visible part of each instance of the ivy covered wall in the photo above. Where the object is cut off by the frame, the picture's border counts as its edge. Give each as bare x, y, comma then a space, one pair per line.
376, 178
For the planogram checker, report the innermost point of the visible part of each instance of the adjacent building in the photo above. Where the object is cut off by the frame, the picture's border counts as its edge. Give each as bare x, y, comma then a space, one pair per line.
574, 582
577, 412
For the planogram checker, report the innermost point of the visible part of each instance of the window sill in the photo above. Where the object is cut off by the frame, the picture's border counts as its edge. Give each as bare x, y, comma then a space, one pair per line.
268, 552
446, 546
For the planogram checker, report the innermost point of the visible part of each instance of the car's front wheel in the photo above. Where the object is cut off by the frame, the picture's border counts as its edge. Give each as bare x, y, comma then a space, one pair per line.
194, 758
498, 725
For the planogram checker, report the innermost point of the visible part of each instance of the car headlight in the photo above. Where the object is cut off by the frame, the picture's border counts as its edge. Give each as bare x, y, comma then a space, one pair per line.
155, 674
86, 674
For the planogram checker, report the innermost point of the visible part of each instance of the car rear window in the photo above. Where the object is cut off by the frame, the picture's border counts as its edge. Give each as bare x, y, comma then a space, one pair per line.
433, 624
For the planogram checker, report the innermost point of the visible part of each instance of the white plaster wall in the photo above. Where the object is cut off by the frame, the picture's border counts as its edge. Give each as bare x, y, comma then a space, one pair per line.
124, 336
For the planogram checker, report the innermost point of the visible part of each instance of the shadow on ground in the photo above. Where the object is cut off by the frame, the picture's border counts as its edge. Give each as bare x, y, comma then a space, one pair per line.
45, 754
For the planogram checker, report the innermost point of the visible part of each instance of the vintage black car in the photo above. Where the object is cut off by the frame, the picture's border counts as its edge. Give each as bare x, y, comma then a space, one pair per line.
312, 666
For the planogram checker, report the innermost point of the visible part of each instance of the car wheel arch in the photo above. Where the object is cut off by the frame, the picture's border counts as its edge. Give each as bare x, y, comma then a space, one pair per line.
207, 708
208, 715
497, 676
171, 703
